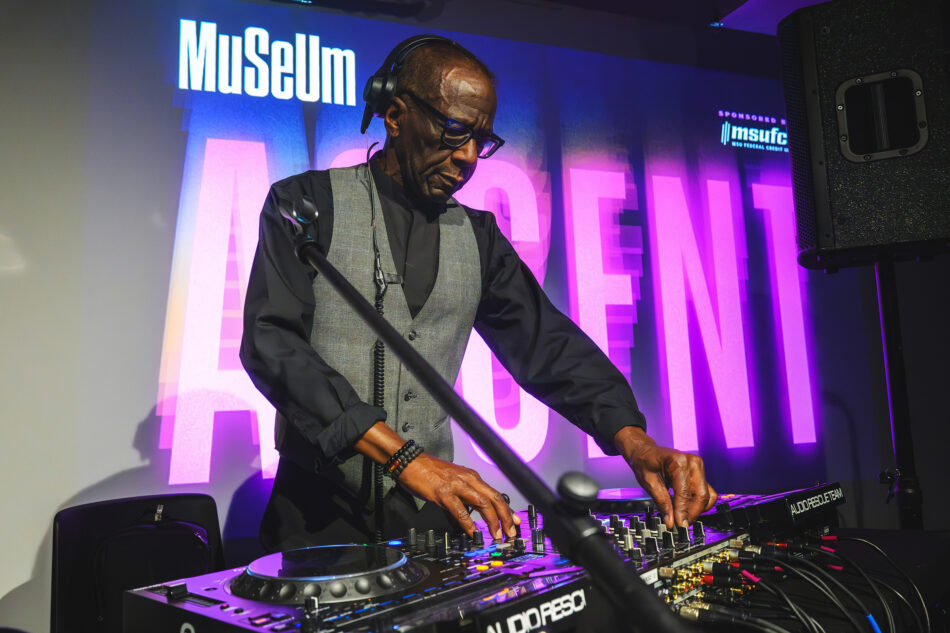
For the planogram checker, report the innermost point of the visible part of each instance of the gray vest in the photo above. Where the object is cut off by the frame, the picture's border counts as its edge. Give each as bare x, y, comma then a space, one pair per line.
440, 330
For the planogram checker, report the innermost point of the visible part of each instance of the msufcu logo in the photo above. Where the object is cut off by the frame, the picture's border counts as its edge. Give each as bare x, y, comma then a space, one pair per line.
752, 131
256, 65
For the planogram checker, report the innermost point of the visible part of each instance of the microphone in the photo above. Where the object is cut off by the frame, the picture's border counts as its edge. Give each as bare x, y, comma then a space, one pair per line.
303, 218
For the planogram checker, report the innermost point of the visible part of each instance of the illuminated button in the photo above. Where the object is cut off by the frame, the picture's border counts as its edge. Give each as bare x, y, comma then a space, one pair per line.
261, 620
496, 553
497, 563
481, 567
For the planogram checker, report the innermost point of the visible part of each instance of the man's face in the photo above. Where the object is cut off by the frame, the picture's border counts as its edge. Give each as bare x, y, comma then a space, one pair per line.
432, 172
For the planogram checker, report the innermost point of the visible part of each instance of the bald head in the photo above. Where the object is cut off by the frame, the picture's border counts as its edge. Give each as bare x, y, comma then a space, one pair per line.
427, 68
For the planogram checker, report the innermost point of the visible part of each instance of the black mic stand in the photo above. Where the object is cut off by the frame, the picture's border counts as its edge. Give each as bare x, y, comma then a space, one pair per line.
902, 482
569, 527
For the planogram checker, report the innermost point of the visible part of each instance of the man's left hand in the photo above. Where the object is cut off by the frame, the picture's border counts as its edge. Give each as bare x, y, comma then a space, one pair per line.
658, 469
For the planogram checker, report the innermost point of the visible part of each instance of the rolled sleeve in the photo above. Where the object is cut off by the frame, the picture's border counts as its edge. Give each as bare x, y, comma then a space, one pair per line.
608, 423
340, 434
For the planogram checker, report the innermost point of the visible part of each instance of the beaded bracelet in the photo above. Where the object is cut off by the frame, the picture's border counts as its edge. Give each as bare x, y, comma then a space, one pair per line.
401, 458
391, 462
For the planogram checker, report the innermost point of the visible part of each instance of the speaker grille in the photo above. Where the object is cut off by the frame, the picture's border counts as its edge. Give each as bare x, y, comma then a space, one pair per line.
853, 213
789, 35
887, 202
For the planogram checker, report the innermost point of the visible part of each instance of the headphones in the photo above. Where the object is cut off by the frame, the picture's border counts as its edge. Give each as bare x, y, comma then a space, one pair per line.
381, 87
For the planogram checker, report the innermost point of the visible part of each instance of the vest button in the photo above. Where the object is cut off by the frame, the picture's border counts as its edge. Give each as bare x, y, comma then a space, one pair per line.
412, 335
409, 396
407, 426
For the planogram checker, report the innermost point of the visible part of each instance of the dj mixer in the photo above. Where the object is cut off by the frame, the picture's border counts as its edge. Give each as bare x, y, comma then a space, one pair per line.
428, 582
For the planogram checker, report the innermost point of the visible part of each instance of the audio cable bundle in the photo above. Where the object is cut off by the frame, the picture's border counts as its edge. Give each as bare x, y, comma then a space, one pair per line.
792, 586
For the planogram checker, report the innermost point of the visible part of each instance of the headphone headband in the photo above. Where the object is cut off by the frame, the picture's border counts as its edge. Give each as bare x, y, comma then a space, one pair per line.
381, 87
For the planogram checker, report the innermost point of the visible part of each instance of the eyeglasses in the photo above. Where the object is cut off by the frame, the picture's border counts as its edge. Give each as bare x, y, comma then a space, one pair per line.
456, 134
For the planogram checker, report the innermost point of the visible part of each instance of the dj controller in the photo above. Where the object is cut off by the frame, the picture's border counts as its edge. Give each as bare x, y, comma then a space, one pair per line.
428, 582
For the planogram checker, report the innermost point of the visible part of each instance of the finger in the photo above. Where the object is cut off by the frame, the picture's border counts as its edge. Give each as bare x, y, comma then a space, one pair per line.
505, 515
679, 475
514, 515
457, 509
657, 489
713, 496
483, 504
698, 492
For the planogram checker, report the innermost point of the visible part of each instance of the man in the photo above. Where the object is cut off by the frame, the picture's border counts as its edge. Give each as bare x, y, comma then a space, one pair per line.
446, 269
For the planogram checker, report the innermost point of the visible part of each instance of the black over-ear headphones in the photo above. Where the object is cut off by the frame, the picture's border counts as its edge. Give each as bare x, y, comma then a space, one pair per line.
381, 87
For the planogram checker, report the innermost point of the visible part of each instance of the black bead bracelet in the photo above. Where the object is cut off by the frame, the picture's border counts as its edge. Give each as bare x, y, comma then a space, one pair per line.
402, 458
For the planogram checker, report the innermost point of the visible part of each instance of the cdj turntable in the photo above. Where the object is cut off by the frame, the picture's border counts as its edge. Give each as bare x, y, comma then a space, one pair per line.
435, 583
333, 573
370, 588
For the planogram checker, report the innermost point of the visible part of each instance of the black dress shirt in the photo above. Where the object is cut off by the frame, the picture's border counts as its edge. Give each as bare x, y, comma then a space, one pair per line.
546, 353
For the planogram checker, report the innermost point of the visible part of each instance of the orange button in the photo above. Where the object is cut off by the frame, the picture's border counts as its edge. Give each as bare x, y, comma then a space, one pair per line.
481, 567
496, 563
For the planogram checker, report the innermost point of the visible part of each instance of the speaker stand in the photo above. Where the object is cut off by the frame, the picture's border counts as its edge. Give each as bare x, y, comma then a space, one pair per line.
903, 480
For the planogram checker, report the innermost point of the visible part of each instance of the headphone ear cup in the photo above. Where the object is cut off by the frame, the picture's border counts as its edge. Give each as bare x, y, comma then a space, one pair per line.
371, 95
386, 94
377, 94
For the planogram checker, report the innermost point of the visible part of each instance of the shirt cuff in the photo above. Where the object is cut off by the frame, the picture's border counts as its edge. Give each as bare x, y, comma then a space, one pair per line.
343, 432
609, 423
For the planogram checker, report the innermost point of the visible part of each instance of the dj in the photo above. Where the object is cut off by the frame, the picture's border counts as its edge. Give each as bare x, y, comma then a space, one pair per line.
446, 269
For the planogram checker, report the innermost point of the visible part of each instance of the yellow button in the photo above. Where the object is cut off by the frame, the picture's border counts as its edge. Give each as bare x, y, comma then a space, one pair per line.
496, 563
481, 567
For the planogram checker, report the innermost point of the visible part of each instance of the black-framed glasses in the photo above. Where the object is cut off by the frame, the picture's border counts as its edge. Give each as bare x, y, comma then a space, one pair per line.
455, 134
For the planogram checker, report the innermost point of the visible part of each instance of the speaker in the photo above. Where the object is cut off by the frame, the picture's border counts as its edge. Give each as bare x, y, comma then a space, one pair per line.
867, 95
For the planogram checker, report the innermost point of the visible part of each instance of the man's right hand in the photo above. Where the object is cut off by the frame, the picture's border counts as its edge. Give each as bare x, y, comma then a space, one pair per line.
448, 485
452, 487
